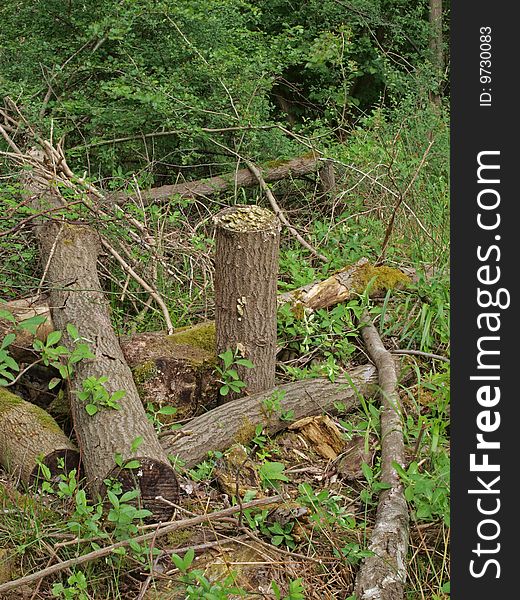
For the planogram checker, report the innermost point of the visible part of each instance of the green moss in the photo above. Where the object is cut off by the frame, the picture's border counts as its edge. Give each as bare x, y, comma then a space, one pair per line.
245, 433
179, 537
8, 401
145, 372
199, 336
381, 279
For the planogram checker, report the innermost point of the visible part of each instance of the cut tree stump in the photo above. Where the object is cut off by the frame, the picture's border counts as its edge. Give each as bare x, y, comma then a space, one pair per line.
28, 435
246, 274
236, 421
70, 253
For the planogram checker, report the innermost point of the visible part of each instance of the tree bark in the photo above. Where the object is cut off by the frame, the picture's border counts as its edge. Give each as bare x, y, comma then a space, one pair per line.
27, 435
436, 44
297, 167
236, 421
382, 576
70, 252
246, 274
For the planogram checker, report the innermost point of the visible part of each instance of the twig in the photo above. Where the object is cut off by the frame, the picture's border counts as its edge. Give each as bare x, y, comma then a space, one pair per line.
278, 212
154, 293
402, 196
107, 550
421, 353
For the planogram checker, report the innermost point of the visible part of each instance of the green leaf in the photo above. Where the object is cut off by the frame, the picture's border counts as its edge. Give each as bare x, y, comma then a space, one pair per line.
91, 409
167, 410
244, 362
31, 325
54, 382
8, 340
136, 443
224, 390
73, 332
5, 315
53, 338
117, 395
277, 540
132, 464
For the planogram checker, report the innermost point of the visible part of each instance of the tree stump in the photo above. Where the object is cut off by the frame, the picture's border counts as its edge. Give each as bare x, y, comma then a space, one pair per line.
246, 273
28, 435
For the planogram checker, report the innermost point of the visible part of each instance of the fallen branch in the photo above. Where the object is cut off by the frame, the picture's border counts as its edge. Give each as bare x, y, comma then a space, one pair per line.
297, 167
236, 421
278, 211
382, 575
159, 532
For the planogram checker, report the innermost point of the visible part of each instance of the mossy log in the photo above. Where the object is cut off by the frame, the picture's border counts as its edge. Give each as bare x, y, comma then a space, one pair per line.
345, 285
236, 421
70, 252
246, 271
202, 188
28, 435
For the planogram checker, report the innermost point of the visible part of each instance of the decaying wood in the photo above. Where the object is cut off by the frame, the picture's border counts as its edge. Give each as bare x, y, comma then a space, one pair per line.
70, 253
382, 576
235, 421
297, 167
321, 431
345, 285
247, 240
29, 435
145, 537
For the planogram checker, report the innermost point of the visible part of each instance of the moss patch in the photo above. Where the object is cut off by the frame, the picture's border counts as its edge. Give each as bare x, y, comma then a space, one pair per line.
199, 336
382, 278
245, 433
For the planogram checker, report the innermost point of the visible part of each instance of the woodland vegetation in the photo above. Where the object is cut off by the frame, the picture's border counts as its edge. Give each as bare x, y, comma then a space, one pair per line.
224, 299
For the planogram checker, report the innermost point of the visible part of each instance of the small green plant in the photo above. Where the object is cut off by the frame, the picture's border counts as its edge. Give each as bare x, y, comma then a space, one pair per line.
229, 378
295, 591
76, 588
273, 404
281, 534
153, 414
204, 470
198, 587
97, 396
374, 486
271, 473
326, 508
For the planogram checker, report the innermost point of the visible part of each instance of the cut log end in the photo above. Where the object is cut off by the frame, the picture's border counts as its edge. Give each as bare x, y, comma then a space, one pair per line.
157, 484
58, 462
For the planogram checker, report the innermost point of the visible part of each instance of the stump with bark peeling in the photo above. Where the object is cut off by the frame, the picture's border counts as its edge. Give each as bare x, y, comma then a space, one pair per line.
29, 435
246, 271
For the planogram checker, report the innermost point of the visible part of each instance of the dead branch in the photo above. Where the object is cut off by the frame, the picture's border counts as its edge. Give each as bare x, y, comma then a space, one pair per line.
382, 576
278, 211
159, 532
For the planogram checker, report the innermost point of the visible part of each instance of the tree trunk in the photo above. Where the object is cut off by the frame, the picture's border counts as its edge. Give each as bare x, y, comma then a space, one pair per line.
27, 435
246, 274
236, 421
436, 44
297, 167
327, 178
70, 252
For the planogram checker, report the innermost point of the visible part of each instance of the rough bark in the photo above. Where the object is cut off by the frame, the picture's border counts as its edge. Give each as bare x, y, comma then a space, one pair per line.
70, 252
246, 273
27, 435
327, 178
235, 421
382, 576
436, 43
294, 168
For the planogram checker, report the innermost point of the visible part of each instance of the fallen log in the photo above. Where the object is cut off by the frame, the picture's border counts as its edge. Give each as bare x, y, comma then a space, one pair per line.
382, 575
297, 167
70, 253
28, 436
236, 421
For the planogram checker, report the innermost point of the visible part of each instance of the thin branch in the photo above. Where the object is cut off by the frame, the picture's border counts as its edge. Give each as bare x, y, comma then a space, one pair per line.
154, 293
107, 550
278, 211
421, 353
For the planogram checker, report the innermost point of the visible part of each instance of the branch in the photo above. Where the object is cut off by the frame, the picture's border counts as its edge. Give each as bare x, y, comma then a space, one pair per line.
161, 531
278, 211
382, 576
